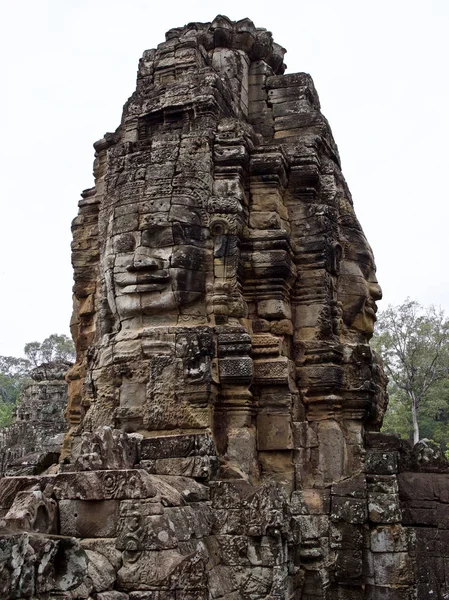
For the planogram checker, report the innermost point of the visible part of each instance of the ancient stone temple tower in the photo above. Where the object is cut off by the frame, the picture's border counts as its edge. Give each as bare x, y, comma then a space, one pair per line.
223, 285
225, 394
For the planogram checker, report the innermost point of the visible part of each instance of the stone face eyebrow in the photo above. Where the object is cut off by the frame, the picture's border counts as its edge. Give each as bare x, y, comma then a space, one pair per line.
225, 405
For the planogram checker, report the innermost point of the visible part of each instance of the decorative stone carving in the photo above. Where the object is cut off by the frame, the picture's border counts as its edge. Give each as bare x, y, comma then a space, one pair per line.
105, 449
224, 386
38, 567
33, 510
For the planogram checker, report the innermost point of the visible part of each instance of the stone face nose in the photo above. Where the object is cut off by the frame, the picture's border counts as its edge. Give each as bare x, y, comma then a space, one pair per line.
145, 263
375, 291
220, 406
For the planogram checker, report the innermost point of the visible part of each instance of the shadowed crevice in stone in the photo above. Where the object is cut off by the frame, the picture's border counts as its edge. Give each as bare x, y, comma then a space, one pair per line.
224, 405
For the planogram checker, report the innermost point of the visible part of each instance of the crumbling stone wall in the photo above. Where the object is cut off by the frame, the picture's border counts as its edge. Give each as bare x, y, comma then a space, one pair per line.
408, 487
224, 402
33, 442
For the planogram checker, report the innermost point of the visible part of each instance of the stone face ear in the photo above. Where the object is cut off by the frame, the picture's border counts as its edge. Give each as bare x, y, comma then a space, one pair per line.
225, 404
335, 258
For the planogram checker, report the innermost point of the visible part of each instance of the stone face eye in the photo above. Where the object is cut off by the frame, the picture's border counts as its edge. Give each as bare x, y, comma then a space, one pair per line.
125, 243
157, 236
184, 233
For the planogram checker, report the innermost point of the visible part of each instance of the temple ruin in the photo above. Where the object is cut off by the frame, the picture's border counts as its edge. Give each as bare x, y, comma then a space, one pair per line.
32, 443
225, 403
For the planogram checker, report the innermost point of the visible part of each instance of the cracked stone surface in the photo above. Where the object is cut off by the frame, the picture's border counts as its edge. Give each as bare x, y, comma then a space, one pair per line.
225, 403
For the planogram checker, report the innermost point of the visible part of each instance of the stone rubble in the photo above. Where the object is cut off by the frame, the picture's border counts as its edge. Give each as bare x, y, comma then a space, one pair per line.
225, 403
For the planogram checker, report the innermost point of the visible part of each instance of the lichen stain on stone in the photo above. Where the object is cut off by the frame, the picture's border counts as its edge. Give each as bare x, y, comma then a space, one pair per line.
224, 408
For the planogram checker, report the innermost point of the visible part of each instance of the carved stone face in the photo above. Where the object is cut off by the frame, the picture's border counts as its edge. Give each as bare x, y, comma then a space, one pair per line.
157, 269
358, 289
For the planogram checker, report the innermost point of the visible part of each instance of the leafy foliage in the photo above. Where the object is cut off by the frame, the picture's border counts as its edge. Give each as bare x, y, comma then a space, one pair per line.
414, 344
55, 347
6, 413
398, 418
13, 375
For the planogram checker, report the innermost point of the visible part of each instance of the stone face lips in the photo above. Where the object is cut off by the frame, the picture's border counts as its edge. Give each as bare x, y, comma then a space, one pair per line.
224, 387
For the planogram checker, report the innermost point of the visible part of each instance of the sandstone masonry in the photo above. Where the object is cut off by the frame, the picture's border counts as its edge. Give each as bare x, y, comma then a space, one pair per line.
224, 405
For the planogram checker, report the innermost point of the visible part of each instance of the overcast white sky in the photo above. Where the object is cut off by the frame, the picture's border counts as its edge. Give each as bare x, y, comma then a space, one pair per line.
68, 66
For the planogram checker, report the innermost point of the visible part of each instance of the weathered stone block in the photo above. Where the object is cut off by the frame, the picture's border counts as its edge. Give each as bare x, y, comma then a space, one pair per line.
393, 538
255, 581
312, 527
354, 487
112, 595
234, 550
105, 485
272, 371
193, 521
384, 508
381, 442
382, 484
313, 501
193, 466
424, 517
32, 510
393, 569
273, 309
177, 446
304, 436
228, 521
265, 220
11, 486
382, 463
138, 531
417, 486
277, 465
30, 568
87, 519
387, 592
189, 489
443, 516
264, 552
152, 595
350, 510
106, 547
236, 370
152, 568
222, 583
274, 431
230, 494
100, 571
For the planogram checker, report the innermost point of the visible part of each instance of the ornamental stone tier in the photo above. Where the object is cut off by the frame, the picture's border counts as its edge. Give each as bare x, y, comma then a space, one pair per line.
224, 403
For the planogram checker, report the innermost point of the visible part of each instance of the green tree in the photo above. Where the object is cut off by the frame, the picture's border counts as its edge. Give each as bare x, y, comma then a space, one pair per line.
55, 347
434, 414
398, 418
6, 413
13, 377
414, 344
13, 374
